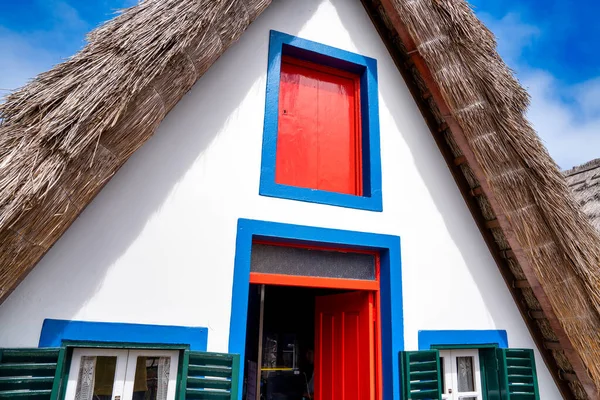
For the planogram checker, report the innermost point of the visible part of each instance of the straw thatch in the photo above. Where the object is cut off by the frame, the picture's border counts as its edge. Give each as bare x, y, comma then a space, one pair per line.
584, 182
489, 105
64, 136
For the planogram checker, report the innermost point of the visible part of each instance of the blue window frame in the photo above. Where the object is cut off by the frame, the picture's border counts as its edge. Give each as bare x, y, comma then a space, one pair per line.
55, 331
392, 324
468, 338
283, 44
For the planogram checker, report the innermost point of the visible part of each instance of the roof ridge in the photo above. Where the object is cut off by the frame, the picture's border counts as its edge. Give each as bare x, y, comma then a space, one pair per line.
593, 164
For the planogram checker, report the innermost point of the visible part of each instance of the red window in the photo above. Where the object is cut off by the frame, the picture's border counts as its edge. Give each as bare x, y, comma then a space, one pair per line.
319, 130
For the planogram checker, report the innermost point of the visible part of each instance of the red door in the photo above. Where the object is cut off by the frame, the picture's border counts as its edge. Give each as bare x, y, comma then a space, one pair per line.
318, 139
344, 347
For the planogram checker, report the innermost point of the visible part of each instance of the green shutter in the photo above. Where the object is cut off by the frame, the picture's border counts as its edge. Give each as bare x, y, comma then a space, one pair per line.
517, 374
30, 373
488, 362
210, 376
421, 377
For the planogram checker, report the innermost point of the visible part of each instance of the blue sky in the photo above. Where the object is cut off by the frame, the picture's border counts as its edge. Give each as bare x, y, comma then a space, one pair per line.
552, 46
554, 49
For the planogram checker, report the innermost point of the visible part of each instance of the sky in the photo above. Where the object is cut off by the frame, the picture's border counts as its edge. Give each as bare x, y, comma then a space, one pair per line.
553, 47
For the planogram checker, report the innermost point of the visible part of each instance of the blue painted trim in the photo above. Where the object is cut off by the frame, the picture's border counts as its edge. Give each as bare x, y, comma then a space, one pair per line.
392, 323
54, 331
283, 44
440, 338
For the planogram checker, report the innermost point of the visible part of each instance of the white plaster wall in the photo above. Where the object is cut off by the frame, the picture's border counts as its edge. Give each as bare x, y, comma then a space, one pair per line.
157, 244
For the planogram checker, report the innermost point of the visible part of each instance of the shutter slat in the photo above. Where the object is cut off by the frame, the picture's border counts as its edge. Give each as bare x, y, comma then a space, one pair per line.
25, 394
211, 359
204, 370
20, 383
420, 371
206, 394
27, 369
29, 355
521, 388
211, 375
423, 385
424, 394
521, 379
518, 362
423, 366
523, 396
207, 383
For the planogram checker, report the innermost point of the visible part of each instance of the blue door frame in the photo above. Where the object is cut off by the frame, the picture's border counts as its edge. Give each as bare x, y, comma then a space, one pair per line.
392, 326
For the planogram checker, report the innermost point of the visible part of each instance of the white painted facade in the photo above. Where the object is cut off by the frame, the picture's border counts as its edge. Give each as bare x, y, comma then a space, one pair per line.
157, 244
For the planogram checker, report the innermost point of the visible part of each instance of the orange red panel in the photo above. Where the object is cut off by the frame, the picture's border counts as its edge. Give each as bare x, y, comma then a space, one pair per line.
311, 281
344, 357
319, 129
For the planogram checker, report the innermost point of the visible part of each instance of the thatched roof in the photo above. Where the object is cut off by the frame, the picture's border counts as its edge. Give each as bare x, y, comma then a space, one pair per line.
64, 135
584, 182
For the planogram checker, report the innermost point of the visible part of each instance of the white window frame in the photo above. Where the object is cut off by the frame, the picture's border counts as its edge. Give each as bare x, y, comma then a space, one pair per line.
450, 389
132, 362
120, 369
125, 370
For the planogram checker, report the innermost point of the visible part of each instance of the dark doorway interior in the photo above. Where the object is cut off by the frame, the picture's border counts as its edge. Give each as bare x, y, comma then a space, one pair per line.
287, 345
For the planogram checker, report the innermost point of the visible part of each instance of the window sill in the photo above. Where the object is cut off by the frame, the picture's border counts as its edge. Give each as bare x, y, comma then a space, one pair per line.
373, 203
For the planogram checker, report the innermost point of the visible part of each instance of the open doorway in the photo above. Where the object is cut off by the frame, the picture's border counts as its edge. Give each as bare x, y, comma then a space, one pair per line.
310, 343
276, 254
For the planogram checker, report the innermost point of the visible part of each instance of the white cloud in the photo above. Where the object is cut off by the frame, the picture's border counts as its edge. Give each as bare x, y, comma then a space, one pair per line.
514, 35
570, 129
567, 117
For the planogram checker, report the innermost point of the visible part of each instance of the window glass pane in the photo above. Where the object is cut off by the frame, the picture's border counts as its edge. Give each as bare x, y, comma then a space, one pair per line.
443, 374
96, 378
464, 368
306, 262
151, 378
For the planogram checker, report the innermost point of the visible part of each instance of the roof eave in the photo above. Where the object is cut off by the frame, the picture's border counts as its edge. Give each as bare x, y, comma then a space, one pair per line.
451, 126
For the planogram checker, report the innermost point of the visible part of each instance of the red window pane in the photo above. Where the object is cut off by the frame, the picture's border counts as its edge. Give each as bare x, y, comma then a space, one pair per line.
318, 140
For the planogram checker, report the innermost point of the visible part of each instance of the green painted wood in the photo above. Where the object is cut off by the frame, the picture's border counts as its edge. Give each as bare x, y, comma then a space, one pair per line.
208, 383
205, 394
464, 346
489, 374
517, 374
123, 345
21, 383
35, 369
210, 376
421, 375
235, 371
28, 373
60, 379
211, 359
68, 358
26, 394
207, 370
183, 382
29, 355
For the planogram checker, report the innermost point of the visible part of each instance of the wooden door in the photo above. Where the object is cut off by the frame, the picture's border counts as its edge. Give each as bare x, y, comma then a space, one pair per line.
319, 130
344, 347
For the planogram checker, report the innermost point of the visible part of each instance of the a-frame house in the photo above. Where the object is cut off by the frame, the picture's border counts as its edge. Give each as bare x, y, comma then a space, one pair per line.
334, 199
